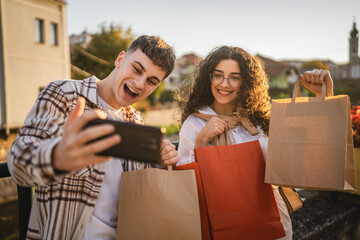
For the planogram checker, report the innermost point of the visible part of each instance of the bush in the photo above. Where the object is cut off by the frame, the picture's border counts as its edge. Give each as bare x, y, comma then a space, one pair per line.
167, 96
171, 129
355, 117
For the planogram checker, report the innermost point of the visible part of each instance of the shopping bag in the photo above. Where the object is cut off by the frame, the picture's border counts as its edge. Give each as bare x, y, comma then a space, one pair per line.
240, 205
205, 228
158, 204
291, 198
310, 143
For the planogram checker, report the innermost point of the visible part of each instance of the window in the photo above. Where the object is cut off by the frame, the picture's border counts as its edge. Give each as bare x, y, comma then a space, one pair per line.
54, 34
39, 30
355, 71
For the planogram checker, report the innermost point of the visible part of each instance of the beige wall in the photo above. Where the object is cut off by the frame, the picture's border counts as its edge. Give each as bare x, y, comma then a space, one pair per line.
29, 65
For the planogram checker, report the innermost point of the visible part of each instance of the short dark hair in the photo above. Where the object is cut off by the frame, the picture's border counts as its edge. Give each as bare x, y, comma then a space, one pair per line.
157, 50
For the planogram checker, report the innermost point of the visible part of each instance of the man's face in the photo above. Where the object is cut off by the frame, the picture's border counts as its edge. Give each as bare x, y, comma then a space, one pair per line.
136, 77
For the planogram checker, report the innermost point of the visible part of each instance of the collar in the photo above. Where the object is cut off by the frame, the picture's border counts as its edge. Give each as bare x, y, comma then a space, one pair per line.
89, 90
207, 110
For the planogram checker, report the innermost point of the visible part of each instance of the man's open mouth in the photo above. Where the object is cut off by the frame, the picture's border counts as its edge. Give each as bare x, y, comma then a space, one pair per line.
130, 91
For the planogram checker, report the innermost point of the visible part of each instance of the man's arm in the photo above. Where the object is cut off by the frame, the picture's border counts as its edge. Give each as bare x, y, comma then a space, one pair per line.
31, 157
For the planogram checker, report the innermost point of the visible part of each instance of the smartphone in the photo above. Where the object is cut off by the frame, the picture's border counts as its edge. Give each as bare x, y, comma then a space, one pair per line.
138, 142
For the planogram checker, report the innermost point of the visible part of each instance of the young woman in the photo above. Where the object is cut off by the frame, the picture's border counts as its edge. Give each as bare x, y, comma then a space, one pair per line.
230, 81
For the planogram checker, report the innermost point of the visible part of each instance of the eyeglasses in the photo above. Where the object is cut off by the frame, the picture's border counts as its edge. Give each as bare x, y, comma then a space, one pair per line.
233, 80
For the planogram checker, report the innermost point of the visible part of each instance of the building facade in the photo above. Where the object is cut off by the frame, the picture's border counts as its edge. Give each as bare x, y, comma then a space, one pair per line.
83, 38
184, 66
34, 50
352, 69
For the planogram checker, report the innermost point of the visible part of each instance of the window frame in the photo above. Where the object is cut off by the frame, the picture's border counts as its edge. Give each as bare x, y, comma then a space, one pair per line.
39, 30
54, 34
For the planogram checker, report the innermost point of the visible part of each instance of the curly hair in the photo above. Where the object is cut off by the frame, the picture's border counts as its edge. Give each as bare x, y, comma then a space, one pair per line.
253, 99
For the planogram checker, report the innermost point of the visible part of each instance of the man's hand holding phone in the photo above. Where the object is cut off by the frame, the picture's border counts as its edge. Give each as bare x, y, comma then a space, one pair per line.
73, 152
88, 141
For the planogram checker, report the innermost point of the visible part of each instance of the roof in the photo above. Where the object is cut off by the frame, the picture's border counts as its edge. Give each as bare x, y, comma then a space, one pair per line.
273, 68
189, 59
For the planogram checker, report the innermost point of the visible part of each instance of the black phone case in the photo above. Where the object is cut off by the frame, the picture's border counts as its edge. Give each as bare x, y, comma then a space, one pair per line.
138, 142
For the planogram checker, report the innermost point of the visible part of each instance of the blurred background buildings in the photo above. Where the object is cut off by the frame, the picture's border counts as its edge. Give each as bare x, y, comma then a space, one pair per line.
35, 49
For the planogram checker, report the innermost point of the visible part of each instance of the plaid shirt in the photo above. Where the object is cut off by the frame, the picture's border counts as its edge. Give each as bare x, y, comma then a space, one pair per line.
63, 202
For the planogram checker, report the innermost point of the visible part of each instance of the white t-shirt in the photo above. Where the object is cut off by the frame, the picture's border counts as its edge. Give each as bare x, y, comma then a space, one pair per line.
103, 221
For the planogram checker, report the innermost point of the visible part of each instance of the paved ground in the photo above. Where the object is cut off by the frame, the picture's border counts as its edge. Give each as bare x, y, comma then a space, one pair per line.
9, 220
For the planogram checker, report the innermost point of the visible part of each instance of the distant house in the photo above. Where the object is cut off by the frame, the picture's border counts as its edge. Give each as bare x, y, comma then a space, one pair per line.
351, 70
280, 74
184, 66
82, 39
34, 50
334, 69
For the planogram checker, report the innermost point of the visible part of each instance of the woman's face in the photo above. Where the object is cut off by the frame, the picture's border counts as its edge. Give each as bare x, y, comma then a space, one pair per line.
225, 83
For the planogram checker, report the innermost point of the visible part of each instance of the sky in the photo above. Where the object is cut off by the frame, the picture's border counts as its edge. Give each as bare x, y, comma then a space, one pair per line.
278, 29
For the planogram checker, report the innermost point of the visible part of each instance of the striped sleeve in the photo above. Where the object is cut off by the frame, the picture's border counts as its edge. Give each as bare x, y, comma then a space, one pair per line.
29, 158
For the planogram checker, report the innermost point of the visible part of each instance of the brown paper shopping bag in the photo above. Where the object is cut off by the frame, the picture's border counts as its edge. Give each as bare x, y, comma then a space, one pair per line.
158, 204
310, 143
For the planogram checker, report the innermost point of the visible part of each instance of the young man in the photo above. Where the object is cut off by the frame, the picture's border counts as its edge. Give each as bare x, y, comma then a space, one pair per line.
76, 195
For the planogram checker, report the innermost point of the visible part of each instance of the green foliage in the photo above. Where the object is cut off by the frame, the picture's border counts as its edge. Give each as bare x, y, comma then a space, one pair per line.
110, 41
155, 95
280, 81
77, 75
282, 95
348, 87
171, 129
278, 93
167, 96
306, 92
99, 56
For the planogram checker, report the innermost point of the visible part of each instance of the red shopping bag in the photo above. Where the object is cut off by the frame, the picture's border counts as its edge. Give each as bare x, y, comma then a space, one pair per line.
240, 205
205, 229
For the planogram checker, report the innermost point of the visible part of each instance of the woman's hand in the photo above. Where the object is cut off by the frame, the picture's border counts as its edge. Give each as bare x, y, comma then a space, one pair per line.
168, 153
214, 127
313, 80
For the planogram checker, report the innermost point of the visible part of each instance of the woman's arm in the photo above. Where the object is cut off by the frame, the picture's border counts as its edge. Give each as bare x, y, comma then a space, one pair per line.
313, 80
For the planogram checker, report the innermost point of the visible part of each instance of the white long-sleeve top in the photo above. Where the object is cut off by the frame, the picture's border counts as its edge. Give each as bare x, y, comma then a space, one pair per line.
193, 125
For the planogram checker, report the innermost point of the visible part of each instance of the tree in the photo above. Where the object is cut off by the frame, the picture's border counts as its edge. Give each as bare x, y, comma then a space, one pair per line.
99, 56
154, 97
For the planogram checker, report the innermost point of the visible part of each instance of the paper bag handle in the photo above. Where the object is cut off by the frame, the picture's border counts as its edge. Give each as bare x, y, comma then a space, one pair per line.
216, 139
169, 167
232, 135
142, 166
296, 92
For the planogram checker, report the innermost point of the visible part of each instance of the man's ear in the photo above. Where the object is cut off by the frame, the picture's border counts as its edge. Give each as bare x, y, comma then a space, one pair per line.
119, 58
